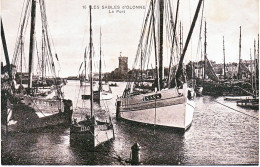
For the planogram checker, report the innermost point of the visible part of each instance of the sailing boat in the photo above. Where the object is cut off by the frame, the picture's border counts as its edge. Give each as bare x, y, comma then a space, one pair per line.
29, 110
6, 88
172, 105
41, 84
84, 81
104, 92
201, 73
240, 88
210, 86
96, 128
253, 101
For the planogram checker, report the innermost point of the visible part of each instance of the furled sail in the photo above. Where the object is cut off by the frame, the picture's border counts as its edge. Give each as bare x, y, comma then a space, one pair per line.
209, 71
243, 68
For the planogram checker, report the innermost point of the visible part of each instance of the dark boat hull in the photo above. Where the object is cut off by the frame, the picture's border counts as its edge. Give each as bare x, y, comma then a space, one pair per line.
27, 120
249, 103
91, 136
85, 97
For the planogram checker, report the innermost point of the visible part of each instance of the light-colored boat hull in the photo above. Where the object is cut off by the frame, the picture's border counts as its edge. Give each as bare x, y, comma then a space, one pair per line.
103, 96
237, 97
173, 109
102, 136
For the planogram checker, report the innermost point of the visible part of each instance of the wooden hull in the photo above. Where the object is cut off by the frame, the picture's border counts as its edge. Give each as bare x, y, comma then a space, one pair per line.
113, 85
249, 103
90, 136
171, 108
85, 97
199, 91
86, 83
83, 83
235, 98
102, 96
31, 116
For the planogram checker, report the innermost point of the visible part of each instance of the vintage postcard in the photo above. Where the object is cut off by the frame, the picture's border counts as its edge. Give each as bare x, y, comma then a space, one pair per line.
129, 82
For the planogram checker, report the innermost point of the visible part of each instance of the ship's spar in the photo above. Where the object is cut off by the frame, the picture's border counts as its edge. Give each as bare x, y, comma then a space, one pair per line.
180, 66
139, 102
47, 56
92, 130
33, 111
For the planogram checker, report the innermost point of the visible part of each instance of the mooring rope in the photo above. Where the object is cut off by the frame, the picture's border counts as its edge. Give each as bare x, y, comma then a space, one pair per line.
235, 110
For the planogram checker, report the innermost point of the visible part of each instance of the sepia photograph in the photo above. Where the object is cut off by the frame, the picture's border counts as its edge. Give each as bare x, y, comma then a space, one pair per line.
130, 82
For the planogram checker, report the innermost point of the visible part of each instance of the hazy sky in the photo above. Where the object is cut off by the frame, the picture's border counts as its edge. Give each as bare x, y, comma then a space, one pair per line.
69, 27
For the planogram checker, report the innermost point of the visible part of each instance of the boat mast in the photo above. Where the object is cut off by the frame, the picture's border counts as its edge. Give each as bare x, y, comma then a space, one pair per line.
180, 67
8, 67
5, 50
31, 49
43, 53
173, 37
141, 68
155, 50
21, 63
180, 39
90, 61
257, 67
161, 3
239, 61
251, 70
258, 47
100, 64
257, 72
205, 49
85, 65
251, 62
224, 58
181, 36
255, 64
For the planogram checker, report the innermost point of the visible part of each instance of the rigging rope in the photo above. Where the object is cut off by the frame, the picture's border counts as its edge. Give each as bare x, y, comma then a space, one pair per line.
20, 31
21, 34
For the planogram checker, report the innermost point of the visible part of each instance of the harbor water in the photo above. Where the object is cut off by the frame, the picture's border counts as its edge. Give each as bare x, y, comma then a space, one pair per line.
221, 134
